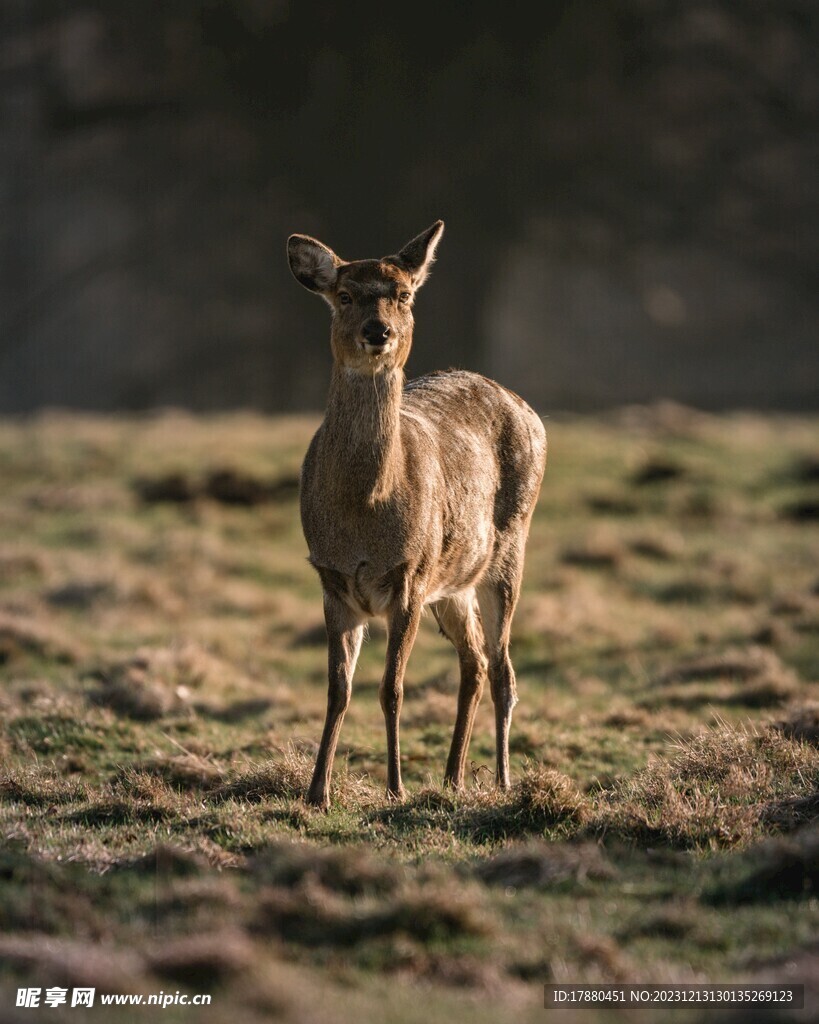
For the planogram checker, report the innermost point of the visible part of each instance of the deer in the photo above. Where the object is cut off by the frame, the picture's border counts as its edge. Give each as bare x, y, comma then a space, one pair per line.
412, 495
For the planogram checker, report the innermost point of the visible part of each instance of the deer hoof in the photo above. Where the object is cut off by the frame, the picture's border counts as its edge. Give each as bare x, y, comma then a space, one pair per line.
320, 801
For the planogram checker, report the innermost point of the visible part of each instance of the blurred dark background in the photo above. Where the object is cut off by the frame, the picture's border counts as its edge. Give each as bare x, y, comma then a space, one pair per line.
630, 191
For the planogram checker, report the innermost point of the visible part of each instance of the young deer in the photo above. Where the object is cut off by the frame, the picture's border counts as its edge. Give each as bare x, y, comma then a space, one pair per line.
412, 494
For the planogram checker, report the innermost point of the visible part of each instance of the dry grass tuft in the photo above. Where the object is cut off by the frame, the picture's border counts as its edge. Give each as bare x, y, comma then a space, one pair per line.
543, 798
143, 787
185, 771
740, 665
110, 812
166, 860
717, 791
662, 814
549, 795
40, 787
718, 753
288, 777
542, 865
156, 681
758, 677
310, 915
436, 912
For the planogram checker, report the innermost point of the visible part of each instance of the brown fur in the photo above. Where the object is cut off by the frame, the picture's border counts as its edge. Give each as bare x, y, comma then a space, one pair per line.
411, 495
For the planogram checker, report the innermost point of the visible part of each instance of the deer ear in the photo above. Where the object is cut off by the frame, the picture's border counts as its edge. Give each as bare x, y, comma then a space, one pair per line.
418, 255
313, 264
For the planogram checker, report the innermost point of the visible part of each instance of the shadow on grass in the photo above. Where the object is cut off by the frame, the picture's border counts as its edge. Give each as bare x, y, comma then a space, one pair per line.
776, 869
39, 896
767, 694
40, 789
239, 711
791, 813
121, 812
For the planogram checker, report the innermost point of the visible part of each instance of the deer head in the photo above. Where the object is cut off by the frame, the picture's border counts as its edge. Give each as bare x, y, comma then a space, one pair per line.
371, 300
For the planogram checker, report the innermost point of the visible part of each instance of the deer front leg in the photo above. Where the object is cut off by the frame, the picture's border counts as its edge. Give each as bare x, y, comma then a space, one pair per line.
402, 628
344, 636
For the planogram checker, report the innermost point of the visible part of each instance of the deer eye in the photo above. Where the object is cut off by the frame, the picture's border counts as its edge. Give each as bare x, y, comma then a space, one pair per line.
404, 298
345, 298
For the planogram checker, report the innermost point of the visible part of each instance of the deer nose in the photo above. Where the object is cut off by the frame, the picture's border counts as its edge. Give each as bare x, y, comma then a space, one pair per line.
376, 332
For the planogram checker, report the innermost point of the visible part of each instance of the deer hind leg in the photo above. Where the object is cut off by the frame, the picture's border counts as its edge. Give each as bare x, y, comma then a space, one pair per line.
459, 620
497, 598
344, 635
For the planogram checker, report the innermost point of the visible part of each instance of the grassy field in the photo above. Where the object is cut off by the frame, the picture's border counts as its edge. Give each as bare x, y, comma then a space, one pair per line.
163, 687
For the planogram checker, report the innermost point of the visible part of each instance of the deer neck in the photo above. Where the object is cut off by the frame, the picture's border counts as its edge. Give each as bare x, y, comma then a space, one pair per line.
361, 435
